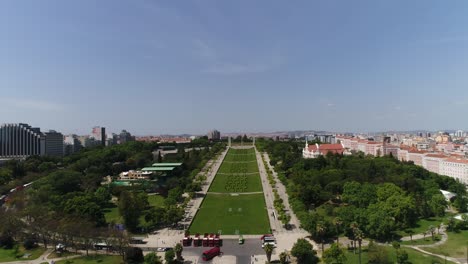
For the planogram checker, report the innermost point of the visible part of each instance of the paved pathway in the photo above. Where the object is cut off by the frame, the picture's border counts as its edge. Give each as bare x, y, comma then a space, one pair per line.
285, 238
281, 189
168, 237
43, 258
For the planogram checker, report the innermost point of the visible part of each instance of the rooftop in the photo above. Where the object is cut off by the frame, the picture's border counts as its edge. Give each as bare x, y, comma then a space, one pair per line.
158, 169
175, 164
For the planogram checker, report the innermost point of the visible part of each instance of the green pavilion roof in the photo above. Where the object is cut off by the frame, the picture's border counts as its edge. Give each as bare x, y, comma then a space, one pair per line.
158, 169
167, 164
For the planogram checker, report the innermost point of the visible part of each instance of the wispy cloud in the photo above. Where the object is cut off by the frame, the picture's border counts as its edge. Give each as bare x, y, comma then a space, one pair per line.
225, 64
30, 104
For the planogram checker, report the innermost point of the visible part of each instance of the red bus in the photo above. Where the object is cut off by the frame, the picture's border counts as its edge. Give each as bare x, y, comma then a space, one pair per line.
211, 253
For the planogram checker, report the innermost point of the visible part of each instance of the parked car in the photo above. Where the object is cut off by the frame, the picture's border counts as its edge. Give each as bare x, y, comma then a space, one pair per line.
163, 249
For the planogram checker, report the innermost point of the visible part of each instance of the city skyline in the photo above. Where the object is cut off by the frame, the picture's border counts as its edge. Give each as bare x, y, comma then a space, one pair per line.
170, 68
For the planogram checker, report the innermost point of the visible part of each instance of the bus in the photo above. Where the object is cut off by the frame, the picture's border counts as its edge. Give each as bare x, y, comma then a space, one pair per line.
211, 253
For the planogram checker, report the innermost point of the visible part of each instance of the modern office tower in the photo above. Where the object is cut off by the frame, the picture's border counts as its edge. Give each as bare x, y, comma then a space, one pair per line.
53, 143
103, 136
125, 136
20, 141
71, 144
214, 135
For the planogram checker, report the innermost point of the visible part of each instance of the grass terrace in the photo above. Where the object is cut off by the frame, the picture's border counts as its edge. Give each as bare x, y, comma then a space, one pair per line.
232, 215
227, 207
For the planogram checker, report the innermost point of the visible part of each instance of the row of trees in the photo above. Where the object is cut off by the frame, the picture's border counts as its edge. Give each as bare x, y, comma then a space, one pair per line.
380, 195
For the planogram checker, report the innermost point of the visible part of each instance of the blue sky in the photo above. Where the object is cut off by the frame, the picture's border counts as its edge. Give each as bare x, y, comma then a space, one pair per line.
239, 66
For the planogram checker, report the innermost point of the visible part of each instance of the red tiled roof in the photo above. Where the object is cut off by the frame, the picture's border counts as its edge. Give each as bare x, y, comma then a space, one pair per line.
436, 155
464, 161
325, 148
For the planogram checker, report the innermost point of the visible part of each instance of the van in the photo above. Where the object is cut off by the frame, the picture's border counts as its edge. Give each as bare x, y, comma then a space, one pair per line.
211, 253
269, 240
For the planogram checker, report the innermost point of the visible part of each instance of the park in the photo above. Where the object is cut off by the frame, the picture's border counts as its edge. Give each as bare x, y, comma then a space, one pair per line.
234, 204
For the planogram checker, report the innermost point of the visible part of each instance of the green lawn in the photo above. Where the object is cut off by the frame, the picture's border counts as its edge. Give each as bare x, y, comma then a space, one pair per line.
236, 183
234, 175
101, 259
156, 200
243, 213
423, 241
112, 215
415, 257
423, 225
454, 247
7, 255
244, 167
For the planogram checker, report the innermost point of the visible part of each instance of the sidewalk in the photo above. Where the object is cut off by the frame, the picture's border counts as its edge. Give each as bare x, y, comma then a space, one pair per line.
169, 237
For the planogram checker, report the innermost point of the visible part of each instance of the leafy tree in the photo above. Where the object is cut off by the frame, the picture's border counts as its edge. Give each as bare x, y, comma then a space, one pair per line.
131, 206
380, 222
402, 257
284, 257
334, 254
169, 256
6, 241
178, 251
304, 252
268, 250
377, 254
438, 205
152, 258
134, 255
338, 223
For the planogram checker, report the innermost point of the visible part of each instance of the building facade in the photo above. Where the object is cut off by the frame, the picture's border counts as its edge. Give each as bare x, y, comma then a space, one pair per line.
54, 143
214, 135
20, 141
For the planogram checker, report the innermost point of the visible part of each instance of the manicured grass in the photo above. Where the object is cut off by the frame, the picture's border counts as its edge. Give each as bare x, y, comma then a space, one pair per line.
413, 256
235, 177
423, 241
454, 247
244, 167
423, 225
245, 213
61, 255
7, 255
112, 215
93, 259
156, 200
246, 183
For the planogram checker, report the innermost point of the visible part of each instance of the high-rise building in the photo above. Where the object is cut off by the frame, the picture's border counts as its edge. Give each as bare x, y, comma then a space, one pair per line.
103, 136
71, 144
20, 141
53, 143
125, 136
214, 135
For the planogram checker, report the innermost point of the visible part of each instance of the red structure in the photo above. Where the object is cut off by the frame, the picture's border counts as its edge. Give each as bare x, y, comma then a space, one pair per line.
211, 253
197, 241
205, 240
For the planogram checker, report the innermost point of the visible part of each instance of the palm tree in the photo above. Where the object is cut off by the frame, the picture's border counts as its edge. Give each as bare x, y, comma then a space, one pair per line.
432, 231
178, 250
338, 223
268, 250
353, 227
283, 257
410, 233
320, 228
358, 235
